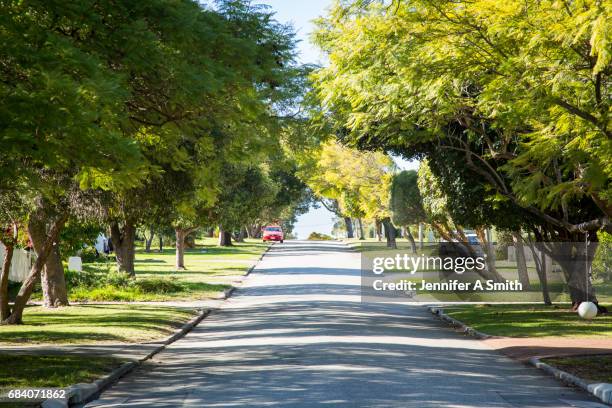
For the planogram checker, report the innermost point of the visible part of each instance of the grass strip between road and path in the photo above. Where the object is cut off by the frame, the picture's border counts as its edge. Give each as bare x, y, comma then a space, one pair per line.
86, 324
529, 320
596, 368
209, 271
52, 371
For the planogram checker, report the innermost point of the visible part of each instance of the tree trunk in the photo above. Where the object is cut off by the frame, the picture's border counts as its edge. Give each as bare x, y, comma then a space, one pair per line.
575, 258
411, 239
521, 263
389, 233
180, 248
161, 243
149, 241
241, 234
9, 247
28, 284
225, 237
360, 223
349, 227
123, 241
540, 263
53, 281
489, 252
378, 228
420, 235
544, 280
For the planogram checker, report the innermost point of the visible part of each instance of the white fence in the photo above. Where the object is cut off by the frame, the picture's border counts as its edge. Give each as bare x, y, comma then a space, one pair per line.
20, 265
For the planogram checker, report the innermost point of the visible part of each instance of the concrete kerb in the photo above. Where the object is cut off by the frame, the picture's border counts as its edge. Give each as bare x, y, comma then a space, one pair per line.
602, 391
463, 328
252, 268
80, 394
229, 291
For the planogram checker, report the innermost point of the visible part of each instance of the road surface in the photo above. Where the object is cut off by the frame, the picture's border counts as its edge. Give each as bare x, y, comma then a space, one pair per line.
297, 335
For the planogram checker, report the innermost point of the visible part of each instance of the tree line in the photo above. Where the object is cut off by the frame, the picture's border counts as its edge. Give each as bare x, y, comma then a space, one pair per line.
119, 115
506, 103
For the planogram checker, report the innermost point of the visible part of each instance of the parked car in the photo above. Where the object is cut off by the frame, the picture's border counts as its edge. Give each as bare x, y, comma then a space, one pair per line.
273, 233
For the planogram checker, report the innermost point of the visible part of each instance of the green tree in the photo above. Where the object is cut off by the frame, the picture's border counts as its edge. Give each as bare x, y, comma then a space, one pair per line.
518, 88
58, 127
351, 179
406, 203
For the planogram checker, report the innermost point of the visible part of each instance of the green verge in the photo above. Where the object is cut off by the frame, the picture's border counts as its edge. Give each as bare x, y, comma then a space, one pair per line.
27, 371
528, 320
57, 371
94, 324
589, 368
209, 271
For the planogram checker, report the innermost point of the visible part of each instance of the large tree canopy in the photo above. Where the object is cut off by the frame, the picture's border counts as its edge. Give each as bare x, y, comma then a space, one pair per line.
520, 88
132, 110
514, 93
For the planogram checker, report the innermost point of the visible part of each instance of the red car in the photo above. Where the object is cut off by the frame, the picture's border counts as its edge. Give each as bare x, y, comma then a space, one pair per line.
273, 233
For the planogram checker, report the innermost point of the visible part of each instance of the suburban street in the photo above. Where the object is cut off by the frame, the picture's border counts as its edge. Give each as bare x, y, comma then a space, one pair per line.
295, 334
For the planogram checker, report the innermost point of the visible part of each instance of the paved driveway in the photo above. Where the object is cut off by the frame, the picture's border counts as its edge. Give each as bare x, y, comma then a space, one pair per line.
297, 335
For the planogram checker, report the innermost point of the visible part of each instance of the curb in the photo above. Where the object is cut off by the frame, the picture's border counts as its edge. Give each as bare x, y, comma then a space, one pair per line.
463, 328
602, 391
229, 291
252, 268
79, 394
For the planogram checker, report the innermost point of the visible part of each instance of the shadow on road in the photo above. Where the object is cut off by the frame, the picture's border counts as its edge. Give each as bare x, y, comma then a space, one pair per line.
297, 336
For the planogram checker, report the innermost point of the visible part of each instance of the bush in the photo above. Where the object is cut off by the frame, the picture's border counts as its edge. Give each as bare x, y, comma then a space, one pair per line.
158, 285
317, 236
89, 255
118, 279
86, 278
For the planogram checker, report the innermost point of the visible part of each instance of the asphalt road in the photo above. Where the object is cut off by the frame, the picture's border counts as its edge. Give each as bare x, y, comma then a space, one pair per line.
297, 335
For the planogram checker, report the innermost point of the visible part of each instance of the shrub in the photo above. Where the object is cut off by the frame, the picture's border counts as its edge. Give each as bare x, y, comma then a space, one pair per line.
158, 285
86, 278
118, 279
89, 255
317, 236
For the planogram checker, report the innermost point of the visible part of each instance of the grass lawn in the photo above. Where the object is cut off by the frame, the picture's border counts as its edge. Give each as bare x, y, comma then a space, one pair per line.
209, 270
94, 323
372, 244
590, 368
28, 371
529, 320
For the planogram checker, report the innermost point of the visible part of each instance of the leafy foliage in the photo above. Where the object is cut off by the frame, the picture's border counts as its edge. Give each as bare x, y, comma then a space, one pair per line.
406, 202
518, 89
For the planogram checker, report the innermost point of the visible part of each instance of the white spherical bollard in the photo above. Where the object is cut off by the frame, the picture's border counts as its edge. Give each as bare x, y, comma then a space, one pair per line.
587, 310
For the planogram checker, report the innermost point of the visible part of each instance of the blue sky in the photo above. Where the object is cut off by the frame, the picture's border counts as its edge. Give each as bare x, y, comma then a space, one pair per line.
300, 14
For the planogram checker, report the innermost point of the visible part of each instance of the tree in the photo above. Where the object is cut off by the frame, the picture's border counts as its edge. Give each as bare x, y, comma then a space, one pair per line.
516, 88
200, 75
247, 191
439, 213
58, 125
352, 179
406, 203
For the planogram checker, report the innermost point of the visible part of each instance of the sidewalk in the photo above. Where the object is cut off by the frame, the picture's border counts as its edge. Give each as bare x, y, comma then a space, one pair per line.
523, 349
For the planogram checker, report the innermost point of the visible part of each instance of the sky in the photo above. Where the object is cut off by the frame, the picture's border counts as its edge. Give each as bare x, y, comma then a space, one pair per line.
300, 14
